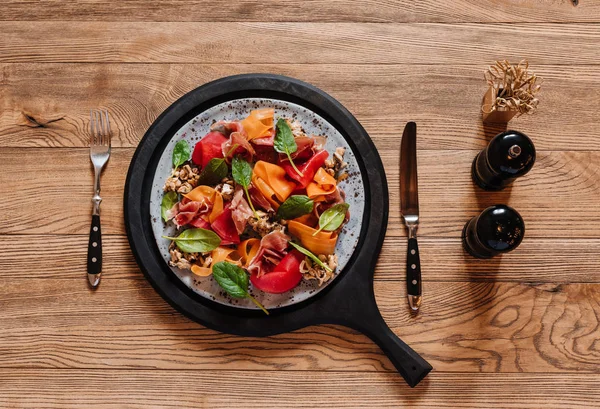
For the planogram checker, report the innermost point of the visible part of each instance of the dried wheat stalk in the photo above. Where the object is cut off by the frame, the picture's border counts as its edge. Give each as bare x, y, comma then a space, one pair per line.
514, 87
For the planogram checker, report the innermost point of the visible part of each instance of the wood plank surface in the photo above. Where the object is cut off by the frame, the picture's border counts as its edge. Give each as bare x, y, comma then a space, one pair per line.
489, 11
572, 261
39, 112
298, 43
224, 389
462, 327
517, 331
556, 178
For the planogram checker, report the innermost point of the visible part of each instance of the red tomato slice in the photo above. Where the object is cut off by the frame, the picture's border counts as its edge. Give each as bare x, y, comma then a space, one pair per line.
225, 227
308, 168
285, 276
208, 148
200, 222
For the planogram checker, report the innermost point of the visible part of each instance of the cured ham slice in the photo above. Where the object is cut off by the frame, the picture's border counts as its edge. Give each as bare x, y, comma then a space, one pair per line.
259, 200
227, 127
237, 145
272, 249
189, 210
240, 210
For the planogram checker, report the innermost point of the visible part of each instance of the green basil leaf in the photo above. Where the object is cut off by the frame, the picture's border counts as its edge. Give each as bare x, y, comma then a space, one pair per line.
181, 153
168, 201
295, 206
333, 217
310, 255
196, 240
241, 171
284, 138
233, 279
216, 169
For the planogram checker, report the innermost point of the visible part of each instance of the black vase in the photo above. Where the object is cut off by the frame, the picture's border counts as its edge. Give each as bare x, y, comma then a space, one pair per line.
509, 155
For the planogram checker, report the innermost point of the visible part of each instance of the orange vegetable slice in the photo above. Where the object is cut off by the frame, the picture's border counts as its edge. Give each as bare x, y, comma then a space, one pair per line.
247, 250
322, 243
201, 271
259, 123
322, 185
217, 207
266, 191
275, 177
200, 193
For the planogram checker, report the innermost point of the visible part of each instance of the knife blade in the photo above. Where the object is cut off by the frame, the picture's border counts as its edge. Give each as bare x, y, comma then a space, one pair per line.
409, 207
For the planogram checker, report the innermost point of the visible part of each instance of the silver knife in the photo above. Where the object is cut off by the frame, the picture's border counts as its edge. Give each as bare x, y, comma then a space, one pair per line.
409, 206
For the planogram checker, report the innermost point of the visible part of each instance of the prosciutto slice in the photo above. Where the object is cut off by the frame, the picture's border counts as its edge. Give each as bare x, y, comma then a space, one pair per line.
237, 145
259, 200
227, 127
189, 210
271, 251
240, 210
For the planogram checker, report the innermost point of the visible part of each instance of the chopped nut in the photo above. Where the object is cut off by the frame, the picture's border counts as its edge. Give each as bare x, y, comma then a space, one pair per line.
296, 128
311, 271
226, 190
262, 225
184, 188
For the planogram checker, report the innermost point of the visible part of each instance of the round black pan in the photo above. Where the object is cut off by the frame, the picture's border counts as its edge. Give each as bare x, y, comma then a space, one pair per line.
349, 300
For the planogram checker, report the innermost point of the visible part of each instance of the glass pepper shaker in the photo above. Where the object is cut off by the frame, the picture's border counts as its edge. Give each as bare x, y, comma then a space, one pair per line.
498, 229
508, 156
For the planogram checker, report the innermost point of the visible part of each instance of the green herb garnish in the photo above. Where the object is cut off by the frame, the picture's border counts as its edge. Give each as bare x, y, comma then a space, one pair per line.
196, 240
214, 171
168, 201
242, 174
332, 218
295, 206
234, 280
181, 153
285, 142
310, 255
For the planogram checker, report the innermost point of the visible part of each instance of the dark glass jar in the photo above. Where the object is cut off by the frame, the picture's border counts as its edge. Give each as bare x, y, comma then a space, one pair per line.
498, 229
508, 156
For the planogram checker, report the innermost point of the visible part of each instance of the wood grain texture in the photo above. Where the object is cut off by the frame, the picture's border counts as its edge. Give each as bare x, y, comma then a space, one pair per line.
444, 181
298, 43
572, 261
520, 331
316, 10
466, 327
226, 389
47, 105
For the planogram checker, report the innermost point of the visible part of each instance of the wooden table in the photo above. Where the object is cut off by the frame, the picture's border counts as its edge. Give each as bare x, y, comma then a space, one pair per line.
520, 331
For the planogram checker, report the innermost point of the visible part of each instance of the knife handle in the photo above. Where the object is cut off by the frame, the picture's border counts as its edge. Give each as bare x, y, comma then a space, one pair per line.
413, 273
94, 258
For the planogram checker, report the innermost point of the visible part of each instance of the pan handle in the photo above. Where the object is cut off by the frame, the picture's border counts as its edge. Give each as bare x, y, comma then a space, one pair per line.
411, 366
355, 307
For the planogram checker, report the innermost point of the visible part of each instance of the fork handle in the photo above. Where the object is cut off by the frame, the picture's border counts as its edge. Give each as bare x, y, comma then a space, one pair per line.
94, 259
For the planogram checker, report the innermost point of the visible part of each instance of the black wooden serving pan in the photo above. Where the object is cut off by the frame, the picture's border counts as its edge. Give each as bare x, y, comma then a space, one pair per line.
349, 300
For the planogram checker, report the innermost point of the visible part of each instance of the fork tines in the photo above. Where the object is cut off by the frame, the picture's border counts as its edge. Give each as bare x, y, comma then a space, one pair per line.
99, 127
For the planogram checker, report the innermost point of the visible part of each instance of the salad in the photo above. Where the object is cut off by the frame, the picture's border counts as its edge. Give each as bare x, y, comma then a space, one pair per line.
256, 202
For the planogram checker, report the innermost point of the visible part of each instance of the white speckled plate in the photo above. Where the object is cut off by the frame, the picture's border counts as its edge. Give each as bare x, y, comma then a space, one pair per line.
312, 123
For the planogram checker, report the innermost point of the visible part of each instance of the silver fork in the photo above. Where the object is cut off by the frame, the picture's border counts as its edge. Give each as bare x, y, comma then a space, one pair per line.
99, 154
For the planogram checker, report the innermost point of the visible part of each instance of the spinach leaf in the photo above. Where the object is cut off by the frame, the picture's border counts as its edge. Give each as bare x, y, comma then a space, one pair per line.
181, 153
234, 280
295, 206
196, 240
216, 169
168, 201
333, 217
310, 255
284, 141
242, 175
